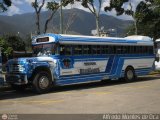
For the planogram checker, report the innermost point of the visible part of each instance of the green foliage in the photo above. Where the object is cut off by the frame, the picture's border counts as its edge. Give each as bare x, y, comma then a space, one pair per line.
148, 16
66, 2
35, 4
4, 4
10, 43
6, 49
15, 42
117, 5
28, 43
130, 30
52, 6
86, 2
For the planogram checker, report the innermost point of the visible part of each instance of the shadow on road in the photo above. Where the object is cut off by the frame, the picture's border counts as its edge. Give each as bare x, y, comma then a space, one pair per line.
8, 93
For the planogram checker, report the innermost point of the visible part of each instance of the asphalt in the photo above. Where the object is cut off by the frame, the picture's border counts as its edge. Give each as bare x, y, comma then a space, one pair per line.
139, 97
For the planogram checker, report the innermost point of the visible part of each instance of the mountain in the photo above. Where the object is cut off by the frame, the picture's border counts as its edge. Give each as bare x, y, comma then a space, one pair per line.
83, 23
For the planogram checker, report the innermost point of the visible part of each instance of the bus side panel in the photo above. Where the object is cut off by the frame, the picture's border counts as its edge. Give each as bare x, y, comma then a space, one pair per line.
82, 70
141, 65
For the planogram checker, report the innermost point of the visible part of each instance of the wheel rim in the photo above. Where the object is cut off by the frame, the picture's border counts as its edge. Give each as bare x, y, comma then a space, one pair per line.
130, 74
43, 82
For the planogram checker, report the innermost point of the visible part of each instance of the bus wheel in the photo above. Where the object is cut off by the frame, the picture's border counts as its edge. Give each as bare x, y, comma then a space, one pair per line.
129, 74
42, 82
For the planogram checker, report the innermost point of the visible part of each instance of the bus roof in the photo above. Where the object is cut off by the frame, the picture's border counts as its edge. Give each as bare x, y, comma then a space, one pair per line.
79, 39
157, 40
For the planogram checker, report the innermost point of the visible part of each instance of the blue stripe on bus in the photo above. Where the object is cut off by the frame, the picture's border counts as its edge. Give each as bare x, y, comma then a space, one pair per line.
122, 40
109, 64
91, 78
100, 75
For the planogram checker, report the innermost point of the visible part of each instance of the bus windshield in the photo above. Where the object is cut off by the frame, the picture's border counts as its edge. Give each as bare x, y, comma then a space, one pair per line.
44, 50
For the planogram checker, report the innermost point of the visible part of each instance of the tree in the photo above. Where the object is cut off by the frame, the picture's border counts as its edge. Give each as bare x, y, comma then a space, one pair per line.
38, 7
10, 44
52, 7
148, 15
118, 6
15, 42
90, 4
6, 49
4, 4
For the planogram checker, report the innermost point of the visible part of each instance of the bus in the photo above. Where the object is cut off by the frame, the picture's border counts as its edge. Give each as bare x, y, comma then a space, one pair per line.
157, 61
60, 60
1, 76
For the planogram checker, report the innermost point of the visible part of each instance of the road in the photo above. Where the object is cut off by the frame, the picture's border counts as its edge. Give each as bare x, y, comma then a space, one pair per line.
141, 96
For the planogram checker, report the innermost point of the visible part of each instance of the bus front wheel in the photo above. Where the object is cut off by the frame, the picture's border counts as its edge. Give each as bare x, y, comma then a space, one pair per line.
42, 82
129, 74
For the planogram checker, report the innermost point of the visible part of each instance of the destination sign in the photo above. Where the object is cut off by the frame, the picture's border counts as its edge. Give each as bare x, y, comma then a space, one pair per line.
89, 63
45, 39
89, 70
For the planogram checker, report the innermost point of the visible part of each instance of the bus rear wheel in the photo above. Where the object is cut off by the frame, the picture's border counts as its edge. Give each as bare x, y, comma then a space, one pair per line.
42, 82
129, 74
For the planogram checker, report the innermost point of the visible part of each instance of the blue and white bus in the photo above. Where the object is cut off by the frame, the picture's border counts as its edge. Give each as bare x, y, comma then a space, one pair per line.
1, 77
157, 50
70, 59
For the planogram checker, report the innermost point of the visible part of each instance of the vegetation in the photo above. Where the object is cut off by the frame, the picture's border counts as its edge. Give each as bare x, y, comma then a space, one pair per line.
52, 6
10, 44
118, 6
4, 4
148, 16
90, 4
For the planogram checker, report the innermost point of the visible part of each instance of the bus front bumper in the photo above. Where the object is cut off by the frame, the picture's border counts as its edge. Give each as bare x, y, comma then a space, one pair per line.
17, 79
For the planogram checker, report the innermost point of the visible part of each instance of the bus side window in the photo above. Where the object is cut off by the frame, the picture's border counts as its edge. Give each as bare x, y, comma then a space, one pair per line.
104, 51
62, 50
94, 49
98, 49
150, 50
78, 50
65, 50
85, 49
68, 50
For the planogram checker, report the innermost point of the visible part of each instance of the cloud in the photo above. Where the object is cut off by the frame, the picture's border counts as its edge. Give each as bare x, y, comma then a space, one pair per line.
13, 10
29, 1
125, 6
17, 2
40, 2
76, 5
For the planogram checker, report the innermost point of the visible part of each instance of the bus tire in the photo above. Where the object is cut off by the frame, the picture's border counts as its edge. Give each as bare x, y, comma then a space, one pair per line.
42, 82
129, 74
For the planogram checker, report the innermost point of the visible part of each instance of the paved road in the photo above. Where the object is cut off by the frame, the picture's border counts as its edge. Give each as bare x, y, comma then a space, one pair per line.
142, 96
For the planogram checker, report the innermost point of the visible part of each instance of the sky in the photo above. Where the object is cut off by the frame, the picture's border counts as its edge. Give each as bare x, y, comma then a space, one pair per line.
24, 6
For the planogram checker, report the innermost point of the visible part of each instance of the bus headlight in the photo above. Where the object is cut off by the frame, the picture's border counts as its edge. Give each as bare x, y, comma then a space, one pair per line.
21, 68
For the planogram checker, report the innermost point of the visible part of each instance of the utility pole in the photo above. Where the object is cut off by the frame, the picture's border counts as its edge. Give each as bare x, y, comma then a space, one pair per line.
61, 18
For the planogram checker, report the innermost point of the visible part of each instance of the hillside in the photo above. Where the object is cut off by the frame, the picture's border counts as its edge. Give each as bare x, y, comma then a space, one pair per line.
83, 23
